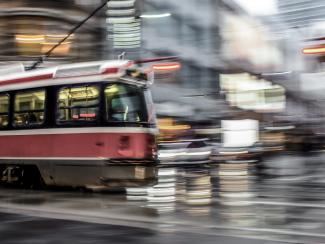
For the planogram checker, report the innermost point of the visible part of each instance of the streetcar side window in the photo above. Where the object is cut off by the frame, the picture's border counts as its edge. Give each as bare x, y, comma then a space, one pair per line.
77, 104
29, 108
4, 110
124, 103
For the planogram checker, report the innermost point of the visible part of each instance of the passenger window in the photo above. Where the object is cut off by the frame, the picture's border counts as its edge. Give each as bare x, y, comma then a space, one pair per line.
124, 103
29, 108
4, 110
78, 104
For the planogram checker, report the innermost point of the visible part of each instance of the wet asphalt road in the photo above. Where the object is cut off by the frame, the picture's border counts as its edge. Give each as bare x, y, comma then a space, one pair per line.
188, 205
20, 229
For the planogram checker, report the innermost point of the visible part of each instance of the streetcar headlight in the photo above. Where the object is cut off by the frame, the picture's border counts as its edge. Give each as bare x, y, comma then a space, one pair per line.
140, 172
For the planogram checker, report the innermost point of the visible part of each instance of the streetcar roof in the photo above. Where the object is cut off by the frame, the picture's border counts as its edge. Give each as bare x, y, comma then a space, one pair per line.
86, 72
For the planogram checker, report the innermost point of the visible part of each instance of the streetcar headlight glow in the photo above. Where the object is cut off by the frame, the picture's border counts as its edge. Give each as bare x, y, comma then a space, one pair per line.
140, 172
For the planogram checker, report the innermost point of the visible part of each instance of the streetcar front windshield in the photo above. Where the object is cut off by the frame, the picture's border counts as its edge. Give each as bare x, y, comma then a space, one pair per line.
125, 103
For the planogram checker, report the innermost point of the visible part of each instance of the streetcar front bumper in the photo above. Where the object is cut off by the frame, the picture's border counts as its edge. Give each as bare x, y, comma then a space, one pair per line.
128, 173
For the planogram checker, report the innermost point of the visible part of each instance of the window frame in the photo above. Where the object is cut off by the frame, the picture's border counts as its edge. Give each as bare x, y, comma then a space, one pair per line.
106, 120
80, 123
13, 100
8, 110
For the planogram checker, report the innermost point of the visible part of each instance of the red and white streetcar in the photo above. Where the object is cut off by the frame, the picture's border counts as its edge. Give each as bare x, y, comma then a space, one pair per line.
87, 124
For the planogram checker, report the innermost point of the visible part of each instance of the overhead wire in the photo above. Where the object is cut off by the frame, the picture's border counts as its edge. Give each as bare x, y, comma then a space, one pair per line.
72, 31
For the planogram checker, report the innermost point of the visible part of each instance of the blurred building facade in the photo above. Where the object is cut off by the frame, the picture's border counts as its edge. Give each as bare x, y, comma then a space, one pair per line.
192, 30
30, 28
211, 38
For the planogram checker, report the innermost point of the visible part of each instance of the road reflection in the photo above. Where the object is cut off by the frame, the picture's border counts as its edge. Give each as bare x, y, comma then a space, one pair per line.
234, 195
228, 197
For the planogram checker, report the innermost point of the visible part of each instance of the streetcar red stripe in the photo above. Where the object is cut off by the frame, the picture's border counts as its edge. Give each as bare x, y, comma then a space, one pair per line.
26, 79
104, 145
113, 70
